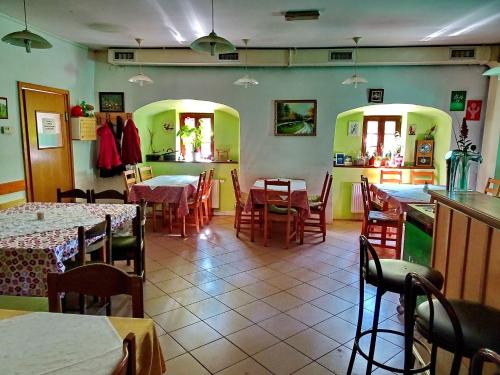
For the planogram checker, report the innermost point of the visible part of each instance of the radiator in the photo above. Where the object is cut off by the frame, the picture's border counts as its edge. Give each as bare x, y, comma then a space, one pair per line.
356, 198
216, 193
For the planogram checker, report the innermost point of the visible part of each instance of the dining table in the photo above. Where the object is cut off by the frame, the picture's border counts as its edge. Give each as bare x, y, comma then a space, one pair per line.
399, 196
53, 343
169, 190
36, 238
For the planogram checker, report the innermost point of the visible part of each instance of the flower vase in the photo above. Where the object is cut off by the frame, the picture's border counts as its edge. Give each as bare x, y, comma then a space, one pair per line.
459, 163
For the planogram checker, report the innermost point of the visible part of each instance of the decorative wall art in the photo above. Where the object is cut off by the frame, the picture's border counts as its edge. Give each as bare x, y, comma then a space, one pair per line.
473, 112
295, 117
354, 129
4, 110
339, 158
375, 95
111, 102
457, 102
412, 129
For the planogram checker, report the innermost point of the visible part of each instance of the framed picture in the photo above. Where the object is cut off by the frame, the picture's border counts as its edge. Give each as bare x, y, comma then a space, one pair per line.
375, 95
339, 158
4, 110
354, 129
49, 131
295, 117
111, 102
457, 101
412, 129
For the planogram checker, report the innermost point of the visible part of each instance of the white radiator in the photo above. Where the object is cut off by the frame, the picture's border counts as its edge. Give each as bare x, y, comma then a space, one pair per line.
356, 198
216, 193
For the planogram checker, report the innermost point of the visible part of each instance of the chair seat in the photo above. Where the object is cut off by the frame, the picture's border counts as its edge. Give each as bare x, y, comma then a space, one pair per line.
377, 206
480, 325
394, 273
24, 303
314, 198
383, 216
281, 210
123, 247
315, 205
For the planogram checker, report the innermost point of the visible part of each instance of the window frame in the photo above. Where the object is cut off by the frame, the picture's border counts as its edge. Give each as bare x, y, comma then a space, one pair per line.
381, 119
197, 116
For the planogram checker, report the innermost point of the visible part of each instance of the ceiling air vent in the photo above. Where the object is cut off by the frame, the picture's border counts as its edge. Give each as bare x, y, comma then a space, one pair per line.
301, 15
231, 56
341, 56
124, 56
462, 53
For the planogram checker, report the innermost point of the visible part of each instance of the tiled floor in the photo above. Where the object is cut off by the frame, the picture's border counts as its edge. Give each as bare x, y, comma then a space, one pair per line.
225, 305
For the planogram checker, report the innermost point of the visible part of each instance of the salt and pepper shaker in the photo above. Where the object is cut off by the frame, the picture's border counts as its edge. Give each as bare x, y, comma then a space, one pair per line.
40, 216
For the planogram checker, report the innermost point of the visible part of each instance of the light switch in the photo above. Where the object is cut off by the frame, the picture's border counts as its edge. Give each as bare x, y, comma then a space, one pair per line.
6, 129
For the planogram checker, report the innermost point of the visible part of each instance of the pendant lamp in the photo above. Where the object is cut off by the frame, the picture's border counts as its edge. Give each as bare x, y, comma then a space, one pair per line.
355, 78
212, 43
26, 38
140, 78
493, 72
246, 80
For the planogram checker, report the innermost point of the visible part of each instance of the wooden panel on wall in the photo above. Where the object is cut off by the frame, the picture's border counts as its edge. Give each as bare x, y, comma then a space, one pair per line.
441, 238
12, 187
457, 249
492, 295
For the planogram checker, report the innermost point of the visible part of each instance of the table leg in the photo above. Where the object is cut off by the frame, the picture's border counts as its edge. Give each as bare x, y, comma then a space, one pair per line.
183, 226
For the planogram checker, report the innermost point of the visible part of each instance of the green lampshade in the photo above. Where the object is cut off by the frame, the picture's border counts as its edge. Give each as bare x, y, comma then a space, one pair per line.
212, 43
493, 72
26, 39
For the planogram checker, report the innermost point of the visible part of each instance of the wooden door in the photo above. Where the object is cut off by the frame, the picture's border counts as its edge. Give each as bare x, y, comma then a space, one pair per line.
48, 159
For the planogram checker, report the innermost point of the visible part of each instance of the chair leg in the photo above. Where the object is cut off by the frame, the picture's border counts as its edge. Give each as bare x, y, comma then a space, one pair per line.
287, 234
373, 338
252, 219
322, 221
196, 219
266, 229
358, 326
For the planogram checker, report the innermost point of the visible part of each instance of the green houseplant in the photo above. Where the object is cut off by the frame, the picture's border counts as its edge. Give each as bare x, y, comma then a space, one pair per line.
192, 137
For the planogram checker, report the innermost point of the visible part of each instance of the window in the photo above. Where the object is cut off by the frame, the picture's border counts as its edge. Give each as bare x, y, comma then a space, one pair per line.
379, 134
205, 122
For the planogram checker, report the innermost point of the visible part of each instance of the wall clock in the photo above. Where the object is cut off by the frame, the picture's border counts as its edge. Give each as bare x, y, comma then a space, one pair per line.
424, 153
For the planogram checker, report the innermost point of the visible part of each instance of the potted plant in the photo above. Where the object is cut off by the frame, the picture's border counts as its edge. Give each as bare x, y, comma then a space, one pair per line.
397, 158
197, 143
190, 137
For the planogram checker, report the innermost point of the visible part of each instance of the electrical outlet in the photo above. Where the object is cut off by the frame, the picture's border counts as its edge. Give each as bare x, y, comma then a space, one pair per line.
6, 129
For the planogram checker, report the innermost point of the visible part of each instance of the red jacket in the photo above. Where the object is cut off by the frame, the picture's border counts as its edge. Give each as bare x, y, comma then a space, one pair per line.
108, 153
131, 144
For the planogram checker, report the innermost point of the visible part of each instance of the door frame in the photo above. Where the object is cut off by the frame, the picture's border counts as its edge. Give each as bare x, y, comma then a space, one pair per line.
25, 86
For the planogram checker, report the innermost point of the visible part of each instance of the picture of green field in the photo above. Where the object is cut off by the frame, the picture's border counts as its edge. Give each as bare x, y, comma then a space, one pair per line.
295, 117
4, 112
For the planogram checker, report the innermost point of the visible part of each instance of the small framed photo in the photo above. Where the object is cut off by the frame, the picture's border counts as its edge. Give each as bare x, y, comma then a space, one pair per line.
4, 110
375, 95
339, 158
354, 129
111, 102
412, 129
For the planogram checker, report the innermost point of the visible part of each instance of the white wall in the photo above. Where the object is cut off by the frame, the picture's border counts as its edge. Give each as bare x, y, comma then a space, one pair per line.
263, 154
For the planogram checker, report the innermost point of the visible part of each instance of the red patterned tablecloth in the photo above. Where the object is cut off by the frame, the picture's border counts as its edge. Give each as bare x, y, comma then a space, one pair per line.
298, 195
166, 189
26, 259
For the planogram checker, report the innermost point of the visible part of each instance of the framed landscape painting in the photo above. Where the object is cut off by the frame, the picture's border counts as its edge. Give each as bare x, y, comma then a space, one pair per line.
295, 117
111, 102
4, 111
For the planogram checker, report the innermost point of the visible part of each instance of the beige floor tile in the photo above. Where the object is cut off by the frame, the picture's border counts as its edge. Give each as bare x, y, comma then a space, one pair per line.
292, 360
252, 339
189, 296
312, 343
214, 288
160, 305
200, 277
309, 314
228, 322
313, 369
283, 266
337, 361
235, 298
283, 301
326, 284
224, 271
160, 275
303, 274
264, 273
306, 292
332, 304
185, 365
173, 285
246, 367
207, 308
170, 347
185, 269
175, 319
218, 355
257, 311
241, 279
282, 326
337, 329
151, 291
195, 335
283, 282
208, 263
260, 289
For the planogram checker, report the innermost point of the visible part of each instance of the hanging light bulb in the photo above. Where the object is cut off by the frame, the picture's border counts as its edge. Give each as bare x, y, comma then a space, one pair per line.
212, 43
26, 38
355, 78
140, 78
246, 80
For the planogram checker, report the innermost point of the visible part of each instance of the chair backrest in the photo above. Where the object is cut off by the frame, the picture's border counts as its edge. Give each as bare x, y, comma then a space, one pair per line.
365, 192
421, 177
482, 356
200, 188
391, 177
129, 178
417, 285
127, 365
101, 231
109, 195
492, 187
326, 189
208, 184
146, 172
73, 194
236, 185
367, 253
280, 198
98, 279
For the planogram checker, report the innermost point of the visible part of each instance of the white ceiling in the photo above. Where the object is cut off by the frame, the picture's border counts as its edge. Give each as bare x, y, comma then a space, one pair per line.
176, 23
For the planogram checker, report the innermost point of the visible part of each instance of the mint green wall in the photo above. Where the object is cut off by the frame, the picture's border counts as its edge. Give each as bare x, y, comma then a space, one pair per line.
347, 144
65, 66
227, 132
497, 170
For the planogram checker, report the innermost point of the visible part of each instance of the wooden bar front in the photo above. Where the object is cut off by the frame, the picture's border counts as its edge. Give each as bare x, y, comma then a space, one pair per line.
466, 245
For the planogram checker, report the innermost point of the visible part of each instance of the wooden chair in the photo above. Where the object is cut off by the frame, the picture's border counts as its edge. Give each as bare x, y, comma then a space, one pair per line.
316, 222
146, 172
108, 195
132, 247
194, 203
492, 187
99, 279
317, 198
72, 195
382, 226
127, 365
278, 207
374, 205
484, 356
206, 198
129, 178
240, 216
391, 177
421, 177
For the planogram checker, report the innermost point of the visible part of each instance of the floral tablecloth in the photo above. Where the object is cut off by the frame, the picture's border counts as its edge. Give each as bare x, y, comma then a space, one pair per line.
26, 258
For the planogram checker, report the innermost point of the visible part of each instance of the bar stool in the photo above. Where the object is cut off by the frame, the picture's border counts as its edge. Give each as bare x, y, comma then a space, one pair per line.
482, 356
387, 275
457, 326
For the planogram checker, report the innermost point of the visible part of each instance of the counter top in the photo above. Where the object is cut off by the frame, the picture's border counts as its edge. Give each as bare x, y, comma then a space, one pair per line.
197, 162
477, 205
420, 217
373, 167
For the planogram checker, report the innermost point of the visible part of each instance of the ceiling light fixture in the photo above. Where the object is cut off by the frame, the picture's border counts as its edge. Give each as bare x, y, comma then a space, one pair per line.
212, 43
246, 80
355, 78
493, 72
26, 38
141, 78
